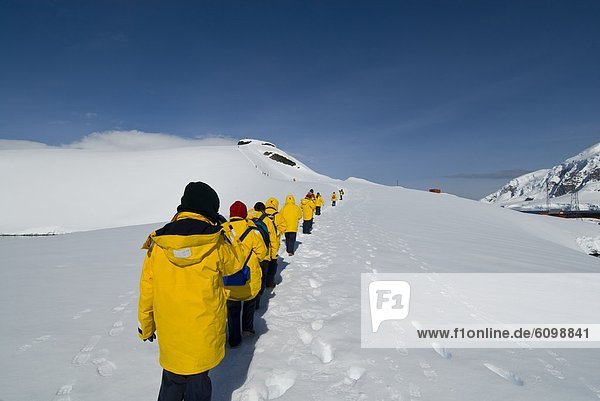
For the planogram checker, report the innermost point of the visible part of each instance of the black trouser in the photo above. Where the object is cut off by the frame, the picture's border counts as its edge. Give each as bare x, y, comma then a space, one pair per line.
341, 197
271, 272
332, 203
239, 312
264, 266
307, 226
176, 387
318, 210
290, 242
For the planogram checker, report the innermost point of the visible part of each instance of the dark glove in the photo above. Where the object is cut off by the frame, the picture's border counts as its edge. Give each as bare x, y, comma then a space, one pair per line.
151, 338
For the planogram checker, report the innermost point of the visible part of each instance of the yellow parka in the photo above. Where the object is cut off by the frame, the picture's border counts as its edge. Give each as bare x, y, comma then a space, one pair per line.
308, 208
333, 197
254, 246
182, 297
273, 239
272, 208
319, 201
291, 213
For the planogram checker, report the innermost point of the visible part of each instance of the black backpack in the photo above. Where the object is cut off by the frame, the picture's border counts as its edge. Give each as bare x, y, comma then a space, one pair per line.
262, 229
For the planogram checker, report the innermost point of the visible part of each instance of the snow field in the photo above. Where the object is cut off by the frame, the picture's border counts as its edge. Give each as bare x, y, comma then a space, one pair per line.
68, 303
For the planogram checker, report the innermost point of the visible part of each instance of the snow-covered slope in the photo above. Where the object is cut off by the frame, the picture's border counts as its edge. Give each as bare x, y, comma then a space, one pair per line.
277, 164
579, 174
126, 178
68, 309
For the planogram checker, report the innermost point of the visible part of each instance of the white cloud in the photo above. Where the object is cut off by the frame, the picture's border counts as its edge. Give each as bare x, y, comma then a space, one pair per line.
116, 140
12, 144
139, 140
89, 114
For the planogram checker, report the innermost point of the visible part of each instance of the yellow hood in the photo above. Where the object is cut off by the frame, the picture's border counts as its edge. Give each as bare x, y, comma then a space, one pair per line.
290, 199
187, 250
272, 202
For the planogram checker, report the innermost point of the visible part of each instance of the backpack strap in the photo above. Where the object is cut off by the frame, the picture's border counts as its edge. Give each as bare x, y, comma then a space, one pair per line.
245, 234
272, 217
247, 259
242, 238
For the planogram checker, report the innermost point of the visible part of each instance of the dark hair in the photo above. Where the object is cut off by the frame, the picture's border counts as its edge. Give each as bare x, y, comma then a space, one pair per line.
259, 207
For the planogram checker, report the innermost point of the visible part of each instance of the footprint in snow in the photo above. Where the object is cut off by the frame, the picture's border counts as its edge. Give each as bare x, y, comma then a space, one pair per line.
38, 340
313, 254
429, 373
279, 382
314, 283
81, 313
42, 339
594, 389
505, 374
414, 390
24, 347
104, 367
120, 308
322, 350
83, 356
63, 393
304, 335
551, 369
275, 385
116, 329
558, 358
355, 372
317, 325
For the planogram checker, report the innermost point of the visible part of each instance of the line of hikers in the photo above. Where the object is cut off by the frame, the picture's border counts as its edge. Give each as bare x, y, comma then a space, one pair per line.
203, 272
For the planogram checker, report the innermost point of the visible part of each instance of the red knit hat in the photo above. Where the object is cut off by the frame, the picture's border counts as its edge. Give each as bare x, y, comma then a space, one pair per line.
238, 209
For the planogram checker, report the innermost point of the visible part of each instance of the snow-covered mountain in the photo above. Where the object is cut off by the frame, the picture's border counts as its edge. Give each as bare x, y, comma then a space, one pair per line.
579, 174
127, 178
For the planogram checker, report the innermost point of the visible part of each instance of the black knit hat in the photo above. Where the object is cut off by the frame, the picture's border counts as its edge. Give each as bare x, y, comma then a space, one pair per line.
200, 198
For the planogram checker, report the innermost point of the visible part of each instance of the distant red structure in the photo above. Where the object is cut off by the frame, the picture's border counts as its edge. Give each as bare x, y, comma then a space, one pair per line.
435, 190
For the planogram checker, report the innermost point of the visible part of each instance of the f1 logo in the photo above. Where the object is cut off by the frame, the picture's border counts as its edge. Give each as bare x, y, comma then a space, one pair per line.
388, 300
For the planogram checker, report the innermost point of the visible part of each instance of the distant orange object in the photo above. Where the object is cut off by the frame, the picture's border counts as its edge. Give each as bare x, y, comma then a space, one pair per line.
435, 190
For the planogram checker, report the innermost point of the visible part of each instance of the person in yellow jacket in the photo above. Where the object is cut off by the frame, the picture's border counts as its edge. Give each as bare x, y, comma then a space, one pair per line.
319, 203
259, 214
292, 215
256, 251
308, 208
272, 210
333, 199
182, 297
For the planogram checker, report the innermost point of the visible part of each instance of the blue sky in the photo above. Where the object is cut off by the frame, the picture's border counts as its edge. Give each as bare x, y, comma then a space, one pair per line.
457, 94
